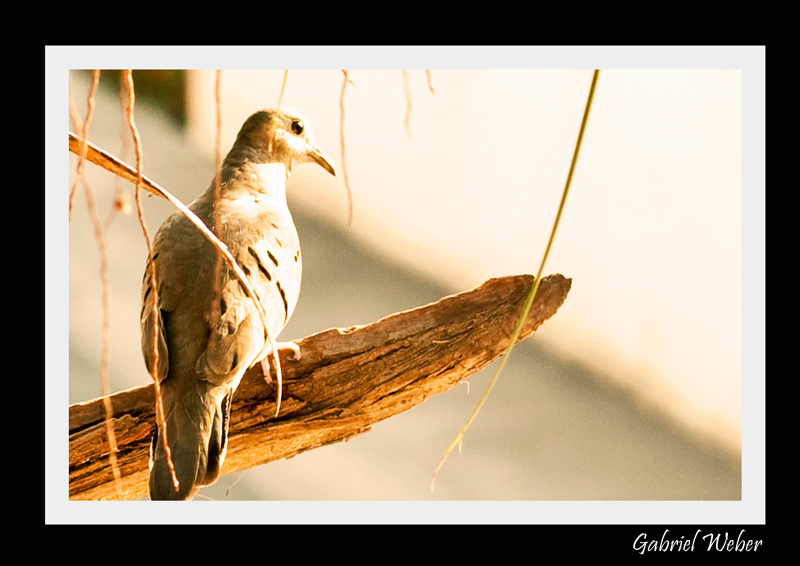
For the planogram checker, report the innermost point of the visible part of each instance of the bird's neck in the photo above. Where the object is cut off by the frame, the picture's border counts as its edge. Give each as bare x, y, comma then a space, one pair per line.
258, 179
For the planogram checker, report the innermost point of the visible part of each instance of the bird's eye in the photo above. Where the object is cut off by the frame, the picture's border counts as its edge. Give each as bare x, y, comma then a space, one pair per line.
297, 127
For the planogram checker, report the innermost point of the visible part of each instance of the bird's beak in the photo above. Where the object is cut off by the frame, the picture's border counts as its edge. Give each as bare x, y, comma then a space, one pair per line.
317, 156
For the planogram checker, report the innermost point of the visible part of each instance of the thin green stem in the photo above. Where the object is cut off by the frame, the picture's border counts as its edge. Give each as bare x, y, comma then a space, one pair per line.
283, 86
534, 287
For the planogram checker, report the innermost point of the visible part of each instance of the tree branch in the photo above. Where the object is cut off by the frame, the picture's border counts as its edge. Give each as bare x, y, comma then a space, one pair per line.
347, 380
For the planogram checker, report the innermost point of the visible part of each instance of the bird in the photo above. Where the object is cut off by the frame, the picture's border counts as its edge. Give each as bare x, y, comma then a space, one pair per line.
209, 330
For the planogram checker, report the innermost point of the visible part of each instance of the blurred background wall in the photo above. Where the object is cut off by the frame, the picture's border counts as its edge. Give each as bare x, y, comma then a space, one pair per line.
651, 234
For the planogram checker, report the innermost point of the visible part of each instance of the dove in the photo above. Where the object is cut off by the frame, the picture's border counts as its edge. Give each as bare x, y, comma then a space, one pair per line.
209, 329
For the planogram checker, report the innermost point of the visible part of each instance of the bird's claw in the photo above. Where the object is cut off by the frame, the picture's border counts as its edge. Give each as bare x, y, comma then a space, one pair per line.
294, 354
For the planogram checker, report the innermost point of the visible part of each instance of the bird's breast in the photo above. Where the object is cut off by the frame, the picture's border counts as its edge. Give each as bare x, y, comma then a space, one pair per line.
262, 237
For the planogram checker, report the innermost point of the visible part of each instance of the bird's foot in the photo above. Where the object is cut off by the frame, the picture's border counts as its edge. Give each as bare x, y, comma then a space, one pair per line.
294, 354
294, 348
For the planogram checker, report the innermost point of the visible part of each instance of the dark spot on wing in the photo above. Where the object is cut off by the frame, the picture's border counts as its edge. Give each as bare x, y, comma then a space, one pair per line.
260, 265
285, 303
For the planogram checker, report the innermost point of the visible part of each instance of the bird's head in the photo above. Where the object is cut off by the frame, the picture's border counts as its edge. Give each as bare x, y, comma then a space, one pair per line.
281, 136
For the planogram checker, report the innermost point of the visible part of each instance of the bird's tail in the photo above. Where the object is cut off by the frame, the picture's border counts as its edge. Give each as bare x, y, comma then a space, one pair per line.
197, 433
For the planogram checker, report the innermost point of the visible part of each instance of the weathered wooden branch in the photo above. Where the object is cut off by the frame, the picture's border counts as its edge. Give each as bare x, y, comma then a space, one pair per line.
347, 380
